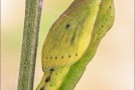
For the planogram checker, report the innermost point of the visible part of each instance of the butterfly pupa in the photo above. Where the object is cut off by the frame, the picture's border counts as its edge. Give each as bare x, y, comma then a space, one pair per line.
69, 38
74, 37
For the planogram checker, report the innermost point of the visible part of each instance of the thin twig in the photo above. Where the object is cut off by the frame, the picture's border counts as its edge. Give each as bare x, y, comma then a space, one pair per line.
33, 10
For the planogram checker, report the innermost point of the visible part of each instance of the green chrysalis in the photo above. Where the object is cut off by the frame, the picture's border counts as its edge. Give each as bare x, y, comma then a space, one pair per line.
71, 41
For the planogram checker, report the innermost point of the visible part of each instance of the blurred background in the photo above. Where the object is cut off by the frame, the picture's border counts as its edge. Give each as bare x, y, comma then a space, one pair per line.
112, 68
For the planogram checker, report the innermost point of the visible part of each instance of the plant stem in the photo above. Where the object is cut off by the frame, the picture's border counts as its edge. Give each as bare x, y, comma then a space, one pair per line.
33, 10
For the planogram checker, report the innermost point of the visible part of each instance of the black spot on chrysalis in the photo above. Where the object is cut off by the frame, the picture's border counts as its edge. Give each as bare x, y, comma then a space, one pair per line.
62, 57
55, 57
102, 26
51, 57
76, 54
69, 56
52, 70
42, 88
47, 79
67, 26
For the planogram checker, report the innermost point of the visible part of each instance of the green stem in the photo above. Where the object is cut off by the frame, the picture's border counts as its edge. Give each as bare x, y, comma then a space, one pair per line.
33, 10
